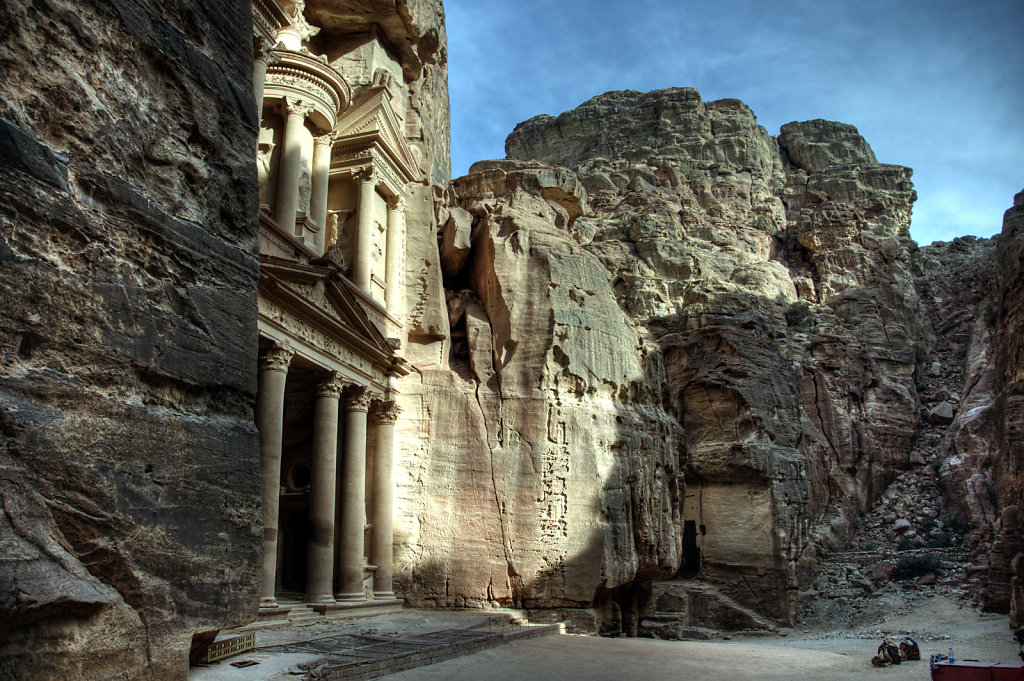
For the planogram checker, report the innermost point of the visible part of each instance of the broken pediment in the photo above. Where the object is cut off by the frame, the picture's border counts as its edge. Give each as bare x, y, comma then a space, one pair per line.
371, 124
323, 308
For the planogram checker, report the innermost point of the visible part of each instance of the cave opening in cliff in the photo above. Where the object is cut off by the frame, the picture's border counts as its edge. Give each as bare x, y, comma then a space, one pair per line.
689, 567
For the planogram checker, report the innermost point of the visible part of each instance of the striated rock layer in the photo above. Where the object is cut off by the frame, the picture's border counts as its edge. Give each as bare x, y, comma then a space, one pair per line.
689, 346
129, 461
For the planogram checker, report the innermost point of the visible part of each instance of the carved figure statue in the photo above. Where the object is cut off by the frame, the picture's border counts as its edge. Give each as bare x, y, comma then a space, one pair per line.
263, 154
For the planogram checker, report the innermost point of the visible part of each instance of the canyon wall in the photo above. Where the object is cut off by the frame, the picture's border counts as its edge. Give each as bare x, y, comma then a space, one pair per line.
128, 362
129, 462
660, 317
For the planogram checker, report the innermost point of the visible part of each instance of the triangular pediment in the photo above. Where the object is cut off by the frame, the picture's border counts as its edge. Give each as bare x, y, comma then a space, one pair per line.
319, 297
372, 118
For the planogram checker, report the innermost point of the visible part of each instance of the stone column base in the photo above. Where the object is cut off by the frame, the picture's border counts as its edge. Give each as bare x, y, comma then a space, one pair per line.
356, 597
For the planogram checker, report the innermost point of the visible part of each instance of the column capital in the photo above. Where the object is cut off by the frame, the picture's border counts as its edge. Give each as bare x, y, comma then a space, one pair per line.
263, 50
298, 107
358, 399
386, 411
332, 386
366, 175
396, 203
323, 140
277, 358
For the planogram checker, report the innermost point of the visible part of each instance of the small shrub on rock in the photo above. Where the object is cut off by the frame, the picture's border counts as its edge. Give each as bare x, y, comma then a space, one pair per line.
905, 544
799, 316
912, 567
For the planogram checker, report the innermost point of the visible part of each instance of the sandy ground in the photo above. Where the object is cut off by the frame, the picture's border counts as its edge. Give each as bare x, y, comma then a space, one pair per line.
937, 624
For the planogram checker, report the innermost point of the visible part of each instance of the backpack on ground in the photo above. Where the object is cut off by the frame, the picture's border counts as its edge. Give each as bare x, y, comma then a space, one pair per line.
909, 649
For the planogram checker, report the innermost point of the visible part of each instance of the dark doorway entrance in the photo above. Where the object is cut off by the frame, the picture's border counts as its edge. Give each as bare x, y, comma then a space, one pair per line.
690, 565
295, 524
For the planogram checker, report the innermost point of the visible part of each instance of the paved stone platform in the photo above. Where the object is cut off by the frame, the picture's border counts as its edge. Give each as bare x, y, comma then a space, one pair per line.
370, 647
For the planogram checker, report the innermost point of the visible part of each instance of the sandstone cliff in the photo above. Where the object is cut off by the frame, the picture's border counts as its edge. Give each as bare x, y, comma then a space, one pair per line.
127, 371
1009, 405
129, 463
628, 339
975, 310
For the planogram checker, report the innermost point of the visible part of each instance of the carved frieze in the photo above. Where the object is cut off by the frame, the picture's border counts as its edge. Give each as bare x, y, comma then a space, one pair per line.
306, 332
306, 78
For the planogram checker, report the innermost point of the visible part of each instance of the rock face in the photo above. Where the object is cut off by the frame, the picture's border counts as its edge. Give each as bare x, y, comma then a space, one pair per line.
545, 421
127, 353
1009, 387
687, 345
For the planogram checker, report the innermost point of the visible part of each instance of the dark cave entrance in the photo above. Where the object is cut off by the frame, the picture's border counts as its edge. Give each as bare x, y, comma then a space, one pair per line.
690, 565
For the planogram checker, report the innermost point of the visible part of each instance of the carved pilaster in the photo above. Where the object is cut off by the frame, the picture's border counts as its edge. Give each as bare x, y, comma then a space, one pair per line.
396, 203
385, 412
263, 50
366, 175
277, 358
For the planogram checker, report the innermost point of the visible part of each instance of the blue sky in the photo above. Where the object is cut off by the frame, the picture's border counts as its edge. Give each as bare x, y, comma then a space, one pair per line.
934, 85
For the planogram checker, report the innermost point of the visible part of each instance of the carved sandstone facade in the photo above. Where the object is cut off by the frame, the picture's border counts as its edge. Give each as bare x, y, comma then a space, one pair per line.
334, 167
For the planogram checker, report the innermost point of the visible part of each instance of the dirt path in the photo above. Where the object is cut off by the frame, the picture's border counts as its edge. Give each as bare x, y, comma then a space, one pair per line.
937, 623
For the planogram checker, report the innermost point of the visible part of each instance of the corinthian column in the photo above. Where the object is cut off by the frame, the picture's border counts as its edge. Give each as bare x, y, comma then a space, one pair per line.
361, 268
318, 192
393, 258
262, 58
320, 554
270, 422
291, 164
351, 552
383, 514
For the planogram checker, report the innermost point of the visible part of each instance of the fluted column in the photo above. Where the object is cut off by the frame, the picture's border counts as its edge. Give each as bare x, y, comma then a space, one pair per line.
383, 512
393, 257
270, 422
291, 164
363, 265
320, 554
318, 191
351, 552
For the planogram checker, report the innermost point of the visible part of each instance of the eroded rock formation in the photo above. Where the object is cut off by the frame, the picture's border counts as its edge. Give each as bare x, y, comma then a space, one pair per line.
630, 293
129, 465
127, 373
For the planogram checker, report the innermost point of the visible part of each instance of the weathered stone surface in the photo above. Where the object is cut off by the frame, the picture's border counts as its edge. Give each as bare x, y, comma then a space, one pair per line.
127, 343
712, 233
564, 467
630, 311
1009, 384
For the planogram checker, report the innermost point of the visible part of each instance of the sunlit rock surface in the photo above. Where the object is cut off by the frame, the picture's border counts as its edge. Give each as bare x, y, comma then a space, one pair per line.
626, 338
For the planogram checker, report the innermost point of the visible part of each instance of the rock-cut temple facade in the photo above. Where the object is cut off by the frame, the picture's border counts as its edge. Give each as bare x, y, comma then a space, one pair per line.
334, 170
